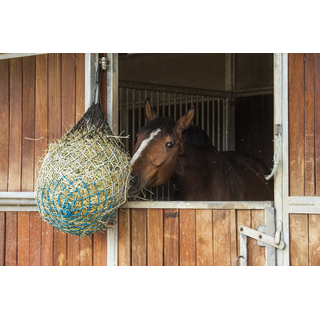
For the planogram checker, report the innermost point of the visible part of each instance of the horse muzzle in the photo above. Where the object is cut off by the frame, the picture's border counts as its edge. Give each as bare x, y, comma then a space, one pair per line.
134, 185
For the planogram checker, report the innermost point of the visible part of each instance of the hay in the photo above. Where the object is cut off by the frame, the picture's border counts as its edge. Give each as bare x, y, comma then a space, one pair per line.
84, 177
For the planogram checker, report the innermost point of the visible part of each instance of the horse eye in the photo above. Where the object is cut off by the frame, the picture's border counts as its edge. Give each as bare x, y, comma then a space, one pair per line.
169, 145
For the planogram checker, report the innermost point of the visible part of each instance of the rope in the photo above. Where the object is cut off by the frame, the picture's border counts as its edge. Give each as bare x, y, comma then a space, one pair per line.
276, 159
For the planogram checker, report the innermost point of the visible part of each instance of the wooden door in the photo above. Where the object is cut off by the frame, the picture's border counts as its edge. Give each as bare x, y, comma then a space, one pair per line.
301, 161
183, 235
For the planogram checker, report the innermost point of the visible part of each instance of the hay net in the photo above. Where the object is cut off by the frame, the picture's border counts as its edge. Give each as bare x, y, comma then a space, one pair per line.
84, 177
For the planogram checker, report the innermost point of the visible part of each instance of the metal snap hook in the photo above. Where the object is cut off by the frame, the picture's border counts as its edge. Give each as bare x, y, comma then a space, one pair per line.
238, 257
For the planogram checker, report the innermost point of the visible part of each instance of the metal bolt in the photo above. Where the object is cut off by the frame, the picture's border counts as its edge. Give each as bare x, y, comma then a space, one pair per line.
241, 229
260, 236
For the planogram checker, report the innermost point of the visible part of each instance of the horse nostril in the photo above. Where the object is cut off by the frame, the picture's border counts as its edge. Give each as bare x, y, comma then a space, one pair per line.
134, 180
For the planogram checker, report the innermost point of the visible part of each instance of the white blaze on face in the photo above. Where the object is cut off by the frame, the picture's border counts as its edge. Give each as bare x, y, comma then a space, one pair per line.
143, 145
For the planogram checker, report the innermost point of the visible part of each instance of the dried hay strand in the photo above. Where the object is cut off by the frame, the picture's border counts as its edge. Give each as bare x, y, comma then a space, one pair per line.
84, 177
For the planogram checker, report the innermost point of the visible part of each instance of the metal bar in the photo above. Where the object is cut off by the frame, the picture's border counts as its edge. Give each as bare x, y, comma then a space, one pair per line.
139, 120
133, 121
281, 183
218, 126
16, 199
224, 127
228, 205
270, 251
243, 250
252, 92
127, 118
112, 116
121, 128
172, 89
202, 112
260, 237
213, 121
112, 92
91, 65
208, 116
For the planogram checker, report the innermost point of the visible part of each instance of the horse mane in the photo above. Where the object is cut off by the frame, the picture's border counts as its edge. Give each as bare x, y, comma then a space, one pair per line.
194, 135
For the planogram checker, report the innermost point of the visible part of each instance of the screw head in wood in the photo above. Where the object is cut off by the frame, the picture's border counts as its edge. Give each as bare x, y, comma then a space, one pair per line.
260, 236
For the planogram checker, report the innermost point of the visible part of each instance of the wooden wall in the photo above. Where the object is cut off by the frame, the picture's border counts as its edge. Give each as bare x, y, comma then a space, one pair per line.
184, 237
40, 97
304, 153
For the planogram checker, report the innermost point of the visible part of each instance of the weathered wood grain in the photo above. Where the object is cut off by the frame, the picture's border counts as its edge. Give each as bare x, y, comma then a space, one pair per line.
296, 124
171, 237
155, 237
309, 169
314, 240
139, 237
299, 242
124, 237
204, 238
221, 238
187, 237
4, 147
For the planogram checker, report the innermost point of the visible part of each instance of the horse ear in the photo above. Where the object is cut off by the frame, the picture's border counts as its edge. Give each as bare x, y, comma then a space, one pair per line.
149, 110
184, 122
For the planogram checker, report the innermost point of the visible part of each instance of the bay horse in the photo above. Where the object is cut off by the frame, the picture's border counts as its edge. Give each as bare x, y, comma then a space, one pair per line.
168, 149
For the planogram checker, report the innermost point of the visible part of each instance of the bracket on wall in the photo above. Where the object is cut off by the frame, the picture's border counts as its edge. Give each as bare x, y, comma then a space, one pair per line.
266, 235
105, 63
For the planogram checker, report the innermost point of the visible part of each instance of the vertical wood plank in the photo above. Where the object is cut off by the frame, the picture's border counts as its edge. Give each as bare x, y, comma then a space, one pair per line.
100, 248
68, 117
296, 124
314, 240
139, 237
4, 128
14, 181
73, 250
124, 238
4, 147
86, 242
68, 91
187, 237
155, 237
298, 228
2, 237
53, 241
317, 124
40, 146
23, 239
257, 256
28, 124
86, 258
35, 239
80, 85
27, 174
221, 238
233, 237
309, 170
204, 237
41, 135
171, 237
243, 219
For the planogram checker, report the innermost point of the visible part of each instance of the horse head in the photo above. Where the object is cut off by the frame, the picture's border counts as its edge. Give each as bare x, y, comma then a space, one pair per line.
157, 148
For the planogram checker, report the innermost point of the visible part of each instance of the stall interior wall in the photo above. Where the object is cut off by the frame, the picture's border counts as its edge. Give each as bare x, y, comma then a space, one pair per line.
304, 151
40, 98
186, 237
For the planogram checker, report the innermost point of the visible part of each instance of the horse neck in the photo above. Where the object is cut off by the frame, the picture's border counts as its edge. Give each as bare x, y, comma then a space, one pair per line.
192, 172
